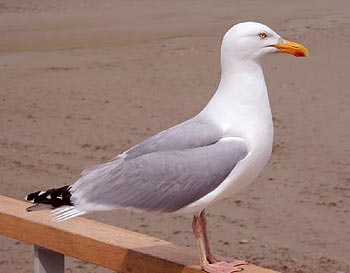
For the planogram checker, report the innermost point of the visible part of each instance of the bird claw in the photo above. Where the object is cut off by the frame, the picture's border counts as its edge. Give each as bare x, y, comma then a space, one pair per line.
221, 267
231, 260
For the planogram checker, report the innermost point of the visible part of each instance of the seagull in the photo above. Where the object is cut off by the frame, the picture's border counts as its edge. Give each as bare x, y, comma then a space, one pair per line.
198, 162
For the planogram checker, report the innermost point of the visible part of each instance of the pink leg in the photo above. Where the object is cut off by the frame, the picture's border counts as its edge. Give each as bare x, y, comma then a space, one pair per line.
207, 260
209, 254
211, 258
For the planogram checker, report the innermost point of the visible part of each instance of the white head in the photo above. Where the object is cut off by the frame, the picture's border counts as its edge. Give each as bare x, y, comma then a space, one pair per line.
250, 41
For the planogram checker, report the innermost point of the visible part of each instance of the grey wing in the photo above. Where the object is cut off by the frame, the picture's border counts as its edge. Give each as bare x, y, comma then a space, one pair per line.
192, 133
163, 181
195, 132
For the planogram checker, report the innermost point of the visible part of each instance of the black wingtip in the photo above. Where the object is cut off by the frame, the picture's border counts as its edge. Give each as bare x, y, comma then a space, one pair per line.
30, 197
52, 198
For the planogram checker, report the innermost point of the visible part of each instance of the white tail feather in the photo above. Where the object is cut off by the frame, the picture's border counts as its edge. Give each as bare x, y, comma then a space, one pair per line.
65, 213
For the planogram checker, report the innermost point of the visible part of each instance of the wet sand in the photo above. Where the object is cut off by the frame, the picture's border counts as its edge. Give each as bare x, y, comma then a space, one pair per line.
83, 81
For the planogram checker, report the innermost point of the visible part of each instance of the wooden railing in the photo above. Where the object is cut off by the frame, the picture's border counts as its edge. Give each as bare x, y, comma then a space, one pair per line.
108, 246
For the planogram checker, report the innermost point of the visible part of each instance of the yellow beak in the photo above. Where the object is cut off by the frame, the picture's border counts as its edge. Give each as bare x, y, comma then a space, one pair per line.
289, 47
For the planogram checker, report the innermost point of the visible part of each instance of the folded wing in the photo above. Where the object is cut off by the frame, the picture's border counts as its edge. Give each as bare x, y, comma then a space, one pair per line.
163, 181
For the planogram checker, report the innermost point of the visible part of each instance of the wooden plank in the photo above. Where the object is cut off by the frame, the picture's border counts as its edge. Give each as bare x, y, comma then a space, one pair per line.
97, 243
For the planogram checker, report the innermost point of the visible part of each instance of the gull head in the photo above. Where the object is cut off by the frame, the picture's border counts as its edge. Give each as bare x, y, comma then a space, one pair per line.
250, 41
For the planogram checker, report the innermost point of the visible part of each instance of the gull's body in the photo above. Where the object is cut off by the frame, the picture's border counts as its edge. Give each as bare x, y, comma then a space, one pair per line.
246, 117
205, 159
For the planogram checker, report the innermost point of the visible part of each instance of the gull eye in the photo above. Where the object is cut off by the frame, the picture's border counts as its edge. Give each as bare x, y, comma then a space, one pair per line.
262, 35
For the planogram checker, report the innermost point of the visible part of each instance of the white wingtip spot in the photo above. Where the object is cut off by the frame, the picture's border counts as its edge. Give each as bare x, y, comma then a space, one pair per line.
26, 198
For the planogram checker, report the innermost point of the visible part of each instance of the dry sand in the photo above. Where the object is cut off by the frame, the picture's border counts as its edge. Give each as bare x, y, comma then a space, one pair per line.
82, 81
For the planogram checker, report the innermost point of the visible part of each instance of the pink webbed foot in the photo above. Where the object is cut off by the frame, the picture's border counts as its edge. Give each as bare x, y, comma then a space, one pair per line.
230, 260
221, 267
208, 262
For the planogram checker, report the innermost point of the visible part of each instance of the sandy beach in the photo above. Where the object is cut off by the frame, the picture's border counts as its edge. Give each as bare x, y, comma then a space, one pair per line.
82, 81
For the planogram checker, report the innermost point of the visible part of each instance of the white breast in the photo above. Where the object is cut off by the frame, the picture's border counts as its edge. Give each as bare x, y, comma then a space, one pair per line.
245, 172
241, 107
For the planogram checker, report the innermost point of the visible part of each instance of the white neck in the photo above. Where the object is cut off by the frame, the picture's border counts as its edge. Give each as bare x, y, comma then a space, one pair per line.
241, 104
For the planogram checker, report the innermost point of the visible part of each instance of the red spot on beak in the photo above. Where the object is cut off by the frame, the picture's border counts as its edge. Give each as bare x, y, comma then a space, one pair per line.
299, 54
